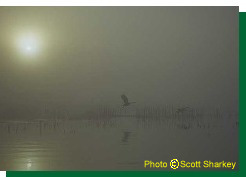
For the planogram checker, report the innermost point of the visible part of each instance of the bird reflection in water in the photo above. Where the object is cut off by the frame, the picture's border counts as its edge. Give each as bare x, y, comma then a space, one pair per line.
126, 135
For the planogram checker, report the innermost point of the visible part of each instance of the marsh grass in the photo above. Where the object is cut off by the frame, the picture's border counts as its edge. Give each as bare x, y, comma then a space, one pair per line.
60, 121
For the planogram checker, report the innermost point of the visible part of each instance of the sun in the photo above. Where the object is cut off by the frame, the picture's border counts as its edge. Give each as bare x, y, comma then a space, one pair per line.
29, 44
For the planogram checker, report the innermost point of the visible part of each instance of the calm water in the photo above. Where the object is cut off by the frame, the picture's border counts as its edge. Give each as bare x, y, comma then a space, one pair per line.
118, 143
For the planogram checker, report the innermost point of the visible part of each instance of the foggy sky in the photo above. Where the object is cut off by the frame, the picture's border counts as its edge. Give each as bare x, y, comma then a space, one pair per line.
91, 55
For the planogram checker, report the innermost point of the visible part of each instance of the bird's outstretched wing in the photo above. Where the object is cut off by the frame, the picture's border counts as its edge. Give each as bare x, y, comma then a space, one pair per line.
124, 98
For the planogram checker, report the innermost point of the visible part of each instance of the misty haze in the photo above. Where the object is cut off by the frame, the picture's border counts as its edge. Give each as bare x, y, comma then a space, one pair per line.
91, 88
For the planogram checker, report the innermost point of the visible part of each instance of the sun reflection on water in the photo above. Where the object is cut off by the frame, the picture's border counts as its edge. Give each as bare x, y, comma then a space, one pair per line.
29, 164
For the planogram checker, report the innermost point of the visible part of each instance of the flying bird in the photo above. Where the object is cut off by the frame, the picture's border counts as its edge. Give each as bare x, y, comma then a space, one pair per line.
182, 110
125, 100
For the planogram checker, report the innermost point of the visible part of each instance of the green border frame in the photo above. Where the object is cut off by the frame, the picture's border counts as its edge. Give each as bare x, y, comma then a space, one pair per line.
241, 171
